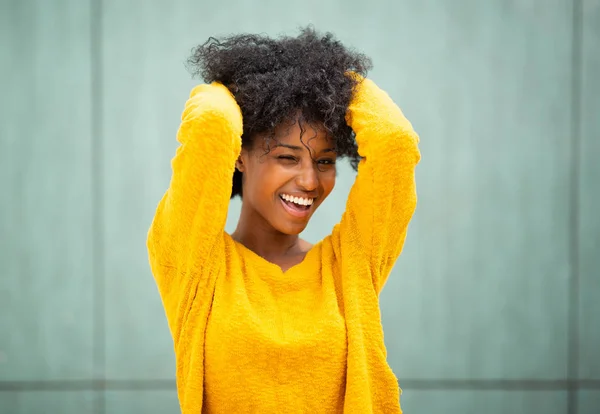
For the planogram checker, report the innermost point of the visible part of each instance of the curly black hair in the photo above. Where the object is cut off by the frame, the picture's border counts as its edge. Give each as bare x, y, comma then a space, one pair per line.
279, 80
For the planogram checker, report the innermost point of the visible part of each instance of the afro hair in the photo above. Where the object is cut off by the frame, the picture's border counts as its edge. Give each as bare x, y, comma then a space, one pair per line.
277, 80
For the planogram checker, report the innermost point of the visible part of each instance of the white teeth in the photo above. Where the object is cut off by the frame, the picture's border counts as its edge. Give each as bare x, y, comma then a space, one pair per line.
298, 200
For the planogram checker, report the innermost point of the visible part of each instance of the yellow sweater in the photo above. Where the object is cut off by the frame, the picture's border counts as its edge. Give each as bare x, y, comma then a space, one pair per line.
249, 337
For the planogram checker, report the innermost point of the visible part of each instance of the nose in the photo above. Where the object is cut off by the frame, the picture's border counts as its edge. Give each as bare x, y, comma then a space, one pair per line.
308, 177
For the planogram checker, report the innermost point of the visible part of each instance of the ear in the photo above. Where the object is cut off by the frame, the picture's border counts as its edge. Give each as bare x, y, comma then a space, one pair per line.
240, 162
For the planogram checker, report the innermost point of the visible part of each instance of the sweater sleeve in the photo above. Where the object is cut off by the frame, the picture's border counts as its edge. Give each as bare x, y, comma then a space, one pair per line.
383, 198
190, 218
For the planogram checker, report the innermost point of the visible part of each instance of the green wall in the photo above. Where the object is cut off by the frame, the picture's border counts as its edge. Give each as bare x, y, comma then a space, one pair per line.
494, 305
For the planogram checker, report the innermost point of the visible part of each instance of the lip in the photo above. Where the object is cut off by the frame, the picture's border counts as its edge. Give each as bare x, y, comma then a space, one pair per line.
293, 212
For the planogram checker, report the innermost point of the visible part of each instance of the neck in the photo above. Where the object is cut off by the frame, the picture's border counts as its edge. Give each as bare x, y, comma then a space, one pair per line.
256, 234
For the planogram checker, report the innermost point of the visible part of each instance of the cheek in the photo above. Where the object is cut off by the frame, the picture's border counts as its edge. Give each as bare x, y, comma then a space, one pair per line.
328, 182
263, 181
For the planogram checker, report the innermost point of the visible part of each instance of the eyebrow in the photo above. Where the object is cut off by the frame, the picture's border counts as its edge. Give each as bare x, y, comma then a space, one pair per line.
297, 148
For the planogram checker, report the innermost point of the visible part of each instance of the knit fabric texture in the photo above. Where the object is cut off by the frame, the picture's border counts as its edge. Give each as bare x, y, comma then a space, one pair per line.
249, 337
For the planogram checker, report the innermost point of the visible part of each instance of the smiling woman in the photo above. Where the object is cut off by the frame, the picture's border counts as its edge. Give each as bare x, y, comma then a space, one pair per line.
262, 320
284, 182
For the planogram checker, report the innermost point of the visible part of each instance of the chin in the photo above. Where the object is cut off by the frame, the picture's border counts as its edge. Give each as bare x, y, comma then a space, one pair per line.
292, 229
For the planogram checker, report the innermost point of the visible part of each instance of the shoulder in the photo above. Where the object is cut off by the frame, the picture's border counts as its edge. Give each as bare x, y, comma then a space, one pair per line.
305, 246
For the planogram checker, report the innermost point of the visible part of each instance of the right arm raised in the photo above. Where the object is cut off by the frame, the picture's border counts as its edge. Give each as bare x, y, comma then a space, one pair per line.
190, 218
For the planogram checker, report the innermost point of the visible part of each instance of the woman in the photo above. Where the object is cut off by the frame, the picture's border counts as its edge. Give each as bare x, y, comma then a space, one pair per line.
263, 321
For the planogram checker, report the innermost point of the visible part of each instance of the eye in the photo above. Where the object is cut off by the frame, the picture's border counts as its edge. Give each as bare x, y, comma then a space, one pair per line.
327, 161
287, 158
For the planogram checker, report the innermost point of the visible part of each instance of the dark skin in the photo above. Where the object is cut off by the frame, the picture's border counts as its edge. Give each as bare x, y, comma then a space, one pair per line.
268, 225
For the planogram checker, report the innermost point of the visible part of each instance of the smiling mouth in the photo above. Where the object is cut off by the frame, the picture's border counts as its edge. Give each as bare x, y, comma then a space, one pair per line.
296, 206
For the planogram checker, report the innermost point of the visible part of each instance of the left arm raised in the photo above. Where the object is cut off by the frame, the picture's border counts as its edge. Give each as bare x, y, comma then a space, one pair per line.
383, 198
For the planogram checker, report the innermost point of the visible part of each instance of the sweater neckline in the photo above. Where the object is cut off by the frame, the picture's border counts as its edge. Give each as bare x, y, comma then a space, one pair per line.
275, 267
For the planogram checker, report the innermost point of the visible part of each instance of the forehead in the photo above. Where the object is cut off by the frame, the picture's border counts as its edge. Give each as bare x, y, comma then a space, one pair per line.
299, 133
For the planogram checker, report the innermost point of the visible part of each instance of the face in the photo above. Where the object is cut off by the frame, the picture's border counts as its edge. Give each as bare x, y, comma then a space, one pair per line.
284, 183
